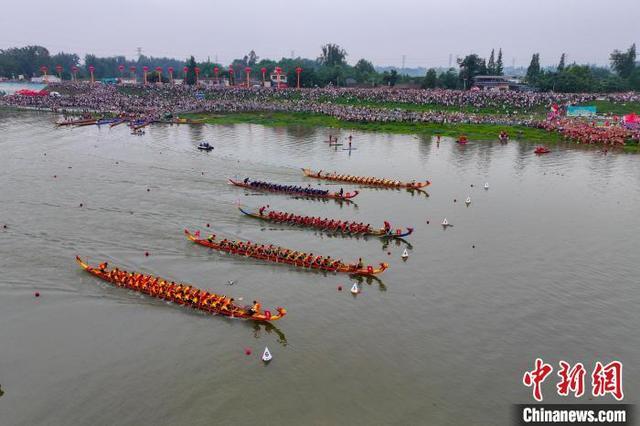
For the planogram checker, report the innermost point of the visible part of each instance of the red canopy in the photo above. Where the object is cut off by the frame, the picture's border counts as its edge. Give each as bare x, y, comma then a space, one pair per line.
632, 118
27, 92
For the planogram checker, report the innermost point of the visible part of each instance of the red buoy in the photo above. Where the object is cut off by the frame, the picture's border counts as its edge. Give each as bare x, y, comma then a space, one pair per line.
207, 225
148, 190
37, 294
81, 205
146, 253
427, 222
339, 288
247, 351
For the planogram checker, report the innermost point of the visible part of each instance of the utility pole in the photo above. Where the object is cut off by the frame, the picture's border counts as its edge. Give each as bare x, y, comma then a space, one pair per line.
404, 59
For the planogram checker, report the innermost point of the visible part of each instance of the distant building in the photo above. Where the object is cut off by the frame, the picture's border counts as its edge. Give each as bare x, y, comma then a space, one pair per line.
499, 82
45, 79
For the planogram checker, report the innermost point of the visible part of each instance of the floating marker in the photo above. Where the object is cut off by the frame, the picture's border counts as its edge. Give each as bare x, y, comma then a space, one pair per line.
405, 254
37, 294
266, 355
339, 288
355, 289
445, 222
247, 351
486, 185
468, 200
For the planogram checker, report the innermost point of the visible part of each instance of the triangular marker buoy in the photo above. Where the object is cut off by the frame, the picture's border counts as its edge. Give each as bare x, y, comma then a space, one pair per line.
486, 185
355, 289
266, 355
445, 222
405, 254
468, 200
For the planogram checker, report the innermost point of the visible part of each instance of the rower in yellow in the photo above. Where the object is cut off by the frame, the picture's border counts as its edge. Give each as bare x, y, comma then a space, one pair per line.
255, 308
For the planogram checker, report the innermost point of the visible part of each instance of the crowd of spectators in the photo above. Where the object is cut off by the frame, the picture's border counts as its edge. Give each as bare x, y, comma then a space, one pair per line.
350, 104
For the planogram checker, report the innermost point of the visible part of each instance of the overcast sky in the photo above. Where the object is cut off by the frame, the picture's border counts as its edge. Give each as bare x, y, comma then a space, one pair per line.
426, 31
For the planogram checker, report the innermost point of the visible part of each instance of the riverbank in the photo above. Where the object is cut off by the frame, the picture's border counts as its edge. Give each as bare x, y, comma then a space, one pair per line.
472, 131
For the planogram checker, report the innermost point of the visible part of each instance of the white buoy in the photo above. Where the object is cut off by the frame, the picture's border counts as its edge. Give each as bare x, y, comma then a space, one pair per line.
445, 222
266, 355
468, 200
486, 185
355, 289
405, 254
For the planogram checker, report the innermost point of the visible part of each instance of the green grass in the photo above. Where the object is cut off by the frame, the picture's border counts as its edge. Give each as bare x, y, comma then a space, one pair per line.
607, 107
540, 110
473, 131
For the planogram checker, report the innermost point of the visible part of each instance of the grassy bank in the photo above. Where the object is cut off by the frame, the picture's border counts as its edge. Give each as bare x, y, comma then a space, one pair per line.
473, 131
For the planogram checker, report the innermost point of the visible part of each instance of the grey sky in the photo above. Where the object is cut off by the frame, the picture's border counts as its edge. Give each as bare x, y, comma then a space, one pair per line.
425, 31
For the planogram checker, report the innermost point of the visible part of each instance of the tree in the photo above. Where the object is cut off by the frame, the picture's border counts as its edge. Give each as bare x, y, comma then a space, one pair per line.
624, 63
561, 63
491, 65
364, 70
390, 78
191, 71
448, 80
634, 79
251, 59
483, 68
430, 80
332, 55
499, 66
471, 66
533, 72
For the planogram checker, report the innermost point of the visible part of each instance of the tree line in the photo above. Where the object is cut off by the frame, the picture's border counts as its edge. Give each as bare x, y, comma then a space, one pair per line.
623, 75
330, 68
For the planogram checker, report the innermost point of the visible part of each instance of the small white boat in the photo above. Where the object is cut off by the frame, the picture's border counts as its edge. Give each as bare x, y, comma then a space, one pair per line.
405, 254
486, 185
355, 289
266, 355
445, 222
468, 200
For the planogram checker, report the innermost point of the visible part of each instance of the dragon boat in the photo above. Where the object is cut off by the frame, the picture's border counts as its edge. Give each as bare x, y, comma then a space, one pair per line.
282, 255
364, 180
296, 191
179, 293
321, 224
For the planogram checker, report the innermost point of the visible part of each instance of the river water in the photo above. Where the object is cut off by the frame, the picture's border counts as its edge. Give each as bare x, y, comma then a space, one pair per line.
442, 338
